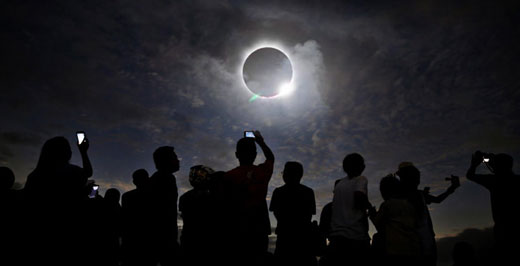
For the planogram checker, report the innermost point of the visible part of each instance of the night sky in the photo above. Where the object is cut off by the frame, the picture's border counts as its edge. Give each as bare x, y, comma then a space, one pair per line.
422, 81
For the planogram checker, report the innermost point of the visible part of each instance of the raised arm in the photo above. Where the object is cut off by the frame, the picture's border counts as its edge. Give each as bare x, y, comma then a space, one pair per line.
269, 156
87, 167
455, 183
476, 160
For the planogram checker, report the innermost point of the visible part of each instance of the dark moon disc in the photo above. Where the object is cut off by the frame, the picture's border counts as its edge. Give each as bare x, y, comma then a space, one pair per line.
266, 71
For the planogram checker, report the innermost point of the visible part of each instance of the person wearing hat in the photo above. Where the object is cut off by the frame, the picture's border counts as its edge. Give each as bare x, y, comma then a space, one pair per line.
197, 212
410, 178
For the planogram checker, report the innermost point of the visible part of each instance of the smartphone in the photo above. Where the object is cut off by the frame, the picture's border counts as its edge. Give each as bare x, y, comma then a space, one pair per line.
486, 160
249, 134
81, 136
93, 192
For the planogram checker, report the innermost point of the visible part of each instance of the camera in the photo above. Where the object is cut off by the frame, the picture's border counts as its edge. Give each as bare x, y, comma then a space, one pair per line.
81, 136
249, 134
94, 191
486, 157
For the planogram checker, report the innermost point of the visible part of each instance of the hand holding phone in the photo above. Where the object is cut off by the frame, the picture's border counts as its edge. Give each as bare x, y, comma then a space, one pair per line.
94, 191
81, 137
83, 143
258, 137
477, 158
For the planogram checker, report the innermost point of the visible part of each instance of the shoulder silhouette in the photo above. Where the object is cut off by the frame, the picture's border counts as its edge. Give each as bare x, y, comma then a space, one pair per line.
136, 214
293, 205
349, 239
502, 184
410, 178
163, 196
248, 220
10, 204
464, 255
54, 216
198, 211
396, 241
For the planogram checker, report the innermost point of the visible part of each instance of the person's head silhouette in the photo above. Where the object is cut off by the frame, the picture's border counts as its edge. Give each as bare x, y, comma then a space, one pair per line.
6, 178
200, 176
390, 187
502, 164
463, 254
410, 176
353, 165
292, 173
140, 178
166, 160
112, 195
246, 151
55, 152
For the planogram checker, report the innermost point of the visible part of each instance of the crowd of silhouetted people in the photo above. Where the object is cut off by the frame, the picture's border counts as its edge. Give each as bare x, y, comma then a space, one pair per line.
59, 218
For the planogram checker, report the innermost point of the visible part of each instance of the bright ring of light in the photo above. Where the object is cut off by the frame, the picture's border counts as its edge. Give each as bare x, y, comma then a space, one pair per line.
286, 88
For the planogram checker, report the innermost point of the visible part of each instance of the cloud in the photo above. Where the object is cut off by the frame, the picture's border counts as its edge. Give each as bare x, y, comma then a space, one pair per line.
5, 154
20, 138
10, 140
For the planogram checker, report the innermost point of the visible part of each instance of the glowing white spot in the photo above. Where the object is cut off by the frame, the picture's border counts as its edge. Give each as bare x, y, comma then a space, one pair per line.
285, 89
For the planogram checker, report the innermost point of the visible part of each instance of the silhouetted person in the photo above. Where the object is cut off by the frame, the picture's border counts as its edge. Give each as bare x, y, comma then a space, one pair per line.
325, 229
54, 195
325, 220
396, 223
9, 198
54, 178
94, 229
163, 204
349, 240
410, 178
464, 255
6, 181
503, 187
198, 212
136, 222
247, 211
110, 232
293, 206
222, 252
10, 210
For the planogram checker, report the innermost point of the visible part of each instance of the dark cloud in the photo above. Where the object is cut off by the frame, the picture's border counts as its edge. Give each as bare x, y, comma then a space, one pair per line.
20, 138
5, 154
15, 140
